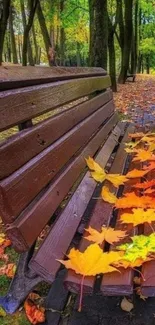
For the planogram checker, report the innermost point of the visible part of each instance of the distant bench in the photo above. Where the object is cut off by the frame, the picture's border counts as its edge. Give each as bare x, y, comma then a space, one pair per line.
43, 174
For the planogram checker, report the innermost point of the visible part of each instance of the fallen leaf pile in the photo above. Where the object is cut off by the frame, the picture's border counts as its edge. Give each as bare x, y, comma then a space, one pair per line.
140, 202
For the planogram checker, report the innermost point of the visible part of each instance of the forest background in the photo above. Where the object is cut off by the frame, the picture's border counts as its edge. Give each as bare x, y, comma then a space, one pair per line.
118, 35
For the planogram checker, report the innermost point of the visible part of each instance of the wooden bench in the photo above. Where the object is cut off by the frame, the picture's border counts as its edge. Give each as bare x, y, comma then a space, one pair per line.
43, 174
131, 76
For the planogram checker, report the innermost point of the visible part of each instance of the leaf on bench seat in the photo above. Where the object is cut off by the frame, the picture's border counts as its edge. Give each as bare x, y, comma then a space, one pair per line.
108, 196
138, 216
131, 200
108, 234
136, 173
92, 261
145, 185
143, 155
100, 175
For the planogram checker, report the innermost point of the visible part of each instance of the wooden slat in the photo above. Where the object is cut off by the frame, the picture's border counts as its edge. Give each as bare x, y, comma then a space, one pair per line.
148, 286
121, 283
40, 211
100, 216
23, 185
26, 144
17, 76
58, 240
23, 104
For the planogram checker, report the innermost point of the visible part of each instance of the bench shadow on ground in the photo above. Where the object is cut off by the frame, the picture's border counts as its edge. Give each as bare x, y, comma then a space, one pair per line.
99, 310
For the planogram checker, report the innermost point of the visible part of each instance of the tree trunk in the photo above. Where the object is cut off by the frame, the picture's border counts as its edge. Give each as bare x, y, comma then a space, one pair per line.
100, 38
3, 24
91, 30
112, 60
148, 64
36, 59
127, 41
12, 36
134, 48
62, 37
44, 30
29, 48
33, 6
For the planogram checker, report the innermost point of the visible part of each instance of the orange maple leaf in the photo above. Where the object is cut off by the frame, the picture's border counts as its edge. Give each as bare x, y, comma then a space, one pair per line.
8, 270
143, 155
131, 200
136, 173
108, 234
150, 167
149, 191
34, 313
92, 261
145, 185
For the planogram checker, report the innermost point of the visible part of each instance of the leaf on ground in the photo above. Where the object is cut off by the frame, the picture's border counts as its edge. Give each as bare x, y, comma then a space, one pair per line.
132, 144
131, 200
138, 216
92, 261
136, 173
149, 191
107, 196
139, 293
8, 270
2, 312
108, 234
126, 305
34, 313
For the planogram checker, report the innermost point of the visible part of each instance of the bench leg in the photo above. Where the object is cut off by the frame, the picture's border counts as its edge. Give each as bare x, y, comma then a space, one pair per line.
22, 284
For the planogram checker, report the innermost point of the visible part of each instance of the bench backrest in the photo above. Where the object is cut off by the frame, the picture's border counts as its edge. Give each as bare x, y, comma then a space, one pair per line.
40, 163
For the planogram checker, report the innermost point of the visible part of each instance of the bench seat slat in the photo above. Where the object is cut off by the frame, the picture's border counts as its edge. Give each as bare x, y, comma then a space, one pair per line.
121, 283
58, 240
100, 216
40, 211
148, 269
29, 180
19, 105
26, 144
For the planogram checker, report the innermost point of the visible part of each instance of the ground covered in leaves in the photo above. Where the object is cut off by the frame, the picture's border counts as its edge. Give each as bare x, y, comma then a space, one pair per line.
133, 100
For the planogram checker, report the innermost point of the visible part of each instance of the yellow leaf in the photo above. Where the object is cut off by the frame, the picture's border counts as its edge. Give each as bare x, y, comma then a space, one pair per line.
126, 305
107, 196
98, 172
92, 262
2, 312
138, 216
109, 234
143, 155
116, 179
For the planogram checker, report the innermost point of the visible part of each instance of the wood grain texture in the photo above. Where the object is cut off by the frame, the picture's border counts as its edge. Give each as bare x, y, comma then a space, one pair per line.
148, 269
60, 237
40, 211
17, 76
23, 185
20, 148
19, 105
101, 215
121, 283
